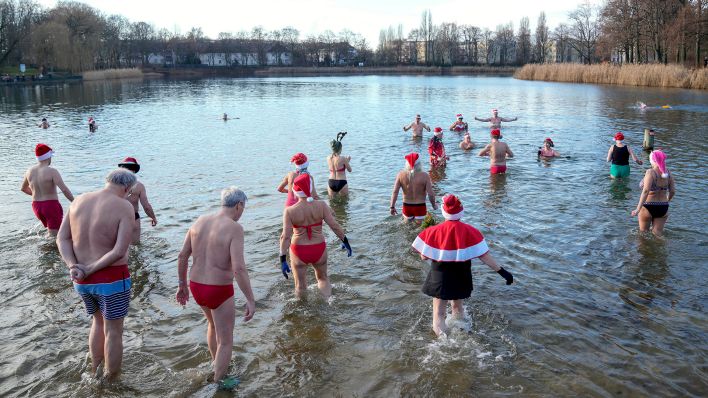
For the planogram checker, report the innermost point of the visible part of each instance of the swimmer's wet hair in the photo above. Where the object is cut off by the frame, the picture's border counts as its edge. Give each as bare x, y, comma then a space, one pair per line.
122, 177
232, 196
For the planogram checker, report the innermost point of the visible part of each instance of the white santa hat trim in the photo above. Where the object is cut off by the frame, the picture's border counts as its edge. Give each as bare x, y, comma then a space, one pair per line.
452, 217
45, 156
302, 166
465, 254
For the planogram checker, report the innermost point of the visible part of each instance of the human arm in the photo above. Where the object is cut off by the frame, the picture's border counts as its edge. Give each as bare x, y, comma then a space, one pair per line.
509, 153
609, 153
507, 119
283, 185
556, 153
639, 161
672, 188
285, 238
59, 182
25, 186
124, 237
489, 119
315, 196
238, 264
146, 206
431, 193
182, 295
394, 196
646, 186
452, 126
338, 230
426, 127
485, 150
492, 263
406, 128
66, 248
346, 163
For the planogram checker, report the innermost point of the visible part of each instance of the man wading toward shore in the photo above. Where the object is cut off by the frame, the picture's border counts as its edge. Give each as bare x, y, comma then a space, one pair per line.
215, 243
93, 241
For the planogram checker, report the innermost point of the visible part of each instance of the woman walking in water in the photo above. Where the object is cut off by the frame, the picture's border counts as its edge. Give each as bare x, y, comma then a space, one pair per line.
286, 186
619, 154
302, 235
657, 191
338, 166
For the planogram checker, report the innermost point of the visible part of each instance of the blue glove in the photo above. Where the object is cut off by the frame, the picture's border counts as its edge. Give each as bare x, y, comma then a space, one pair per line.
284, 266
506, 275
345, 245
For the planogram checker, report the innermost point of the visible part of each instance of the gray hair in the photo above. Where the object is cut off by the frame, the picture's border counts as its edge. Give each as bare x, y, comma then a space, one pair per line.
123, 177
232, 196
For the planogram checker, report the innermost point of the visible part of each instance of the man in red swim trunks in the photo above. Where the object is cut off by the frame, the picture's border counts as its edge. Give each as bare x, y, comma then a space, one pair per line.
41, 182
416, 184
93, 242
497, 152
215, 243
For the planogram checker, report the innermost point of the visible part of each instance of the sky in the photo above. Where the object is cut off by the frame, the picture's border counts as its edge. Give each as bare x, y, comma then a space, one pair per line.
366, 17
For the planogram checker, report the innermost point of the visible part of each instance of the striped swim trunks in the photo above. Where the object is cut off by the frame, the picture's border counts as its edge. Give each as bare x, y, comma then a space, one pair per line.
107, 290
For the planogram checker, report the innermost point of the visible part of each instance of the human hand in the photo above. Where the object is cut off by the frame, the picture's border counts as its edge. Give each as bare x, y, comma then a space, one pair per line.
182, 294
393, 211
250, 310
154, 221
506, 275
346, 246
640, 161
635, 212
77, 272
284, 266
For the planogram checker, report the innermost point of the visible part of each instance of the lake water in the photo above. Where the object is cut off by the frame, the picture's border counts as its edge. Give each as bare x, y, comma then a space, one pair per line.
597, 309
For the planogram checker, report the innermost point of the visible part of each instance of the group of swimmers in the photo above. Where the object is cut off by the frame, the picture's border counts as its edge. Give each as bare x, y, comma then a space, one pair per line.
92, 125
95, 235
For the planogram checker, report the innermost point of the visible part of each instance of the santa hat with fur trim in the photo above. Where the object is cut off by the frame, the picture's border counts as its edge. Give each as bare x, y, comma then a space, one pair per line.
412, 159
300, 161
302, 187
130, 164
438, 131
452, 207
459, 116
43, 152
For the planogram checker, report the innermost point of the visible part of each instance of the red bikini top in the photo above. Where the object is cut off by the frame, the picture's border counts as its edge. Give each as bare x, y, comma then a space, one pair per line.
308, 228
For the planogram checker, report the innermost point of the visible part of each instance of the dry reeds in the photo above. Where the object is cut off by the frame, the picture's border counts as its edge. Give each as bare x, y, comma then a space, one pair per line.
113, 74
651, 75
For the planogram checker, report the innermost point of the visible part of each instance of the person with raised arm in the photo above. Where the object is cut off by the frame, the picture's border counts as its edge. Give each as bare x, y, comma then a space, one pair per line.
417, 126
495, 121
458, 126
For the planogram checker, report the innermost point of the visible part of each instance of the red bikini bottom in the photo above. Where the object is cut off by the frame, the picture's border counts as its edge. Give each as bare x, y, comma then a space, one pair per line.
309, 254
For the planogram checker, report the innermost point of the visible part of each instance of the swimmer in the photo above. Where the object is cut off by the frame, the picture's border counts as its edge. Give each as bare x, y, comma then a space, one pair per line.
498, 152
451, 246
459, 126
286, 186
495, 120
416, 184
44, 124
41, 182
226, 117
138, 196
92, 125
338, 167
417, 127
302, 236
93, 242
215, 243
547, 150
641, 105
436, 149
619, 154
658, 189
466, 144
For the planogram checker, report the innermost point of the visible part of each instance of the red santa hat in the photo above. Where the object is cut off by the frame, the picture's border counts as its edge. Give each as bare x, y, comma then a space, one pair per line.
619, 136
459, 116
412, 159
452, 207
438, 131
302, 186
451, 241
130, 164
43, 152
300, 161
496, 133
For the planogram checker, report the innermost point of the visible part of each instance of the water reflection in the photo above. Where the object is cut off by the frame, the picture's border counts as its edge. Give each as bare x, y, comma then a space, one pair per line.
644, 277
497, 191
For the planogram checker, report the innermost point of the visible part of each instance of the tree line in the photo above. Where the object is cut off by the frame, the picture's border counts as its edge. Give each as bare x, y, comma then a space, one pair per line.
75, 37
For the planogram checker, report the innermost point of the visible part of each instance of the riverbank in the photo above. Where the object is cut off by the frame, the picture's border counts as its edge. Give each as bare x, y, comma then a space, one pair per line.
654, 75
106, 74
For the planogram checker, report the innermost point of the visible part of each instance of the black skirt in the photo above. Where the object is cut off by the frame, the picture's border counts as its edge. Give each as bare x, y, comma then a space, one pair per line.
449, 280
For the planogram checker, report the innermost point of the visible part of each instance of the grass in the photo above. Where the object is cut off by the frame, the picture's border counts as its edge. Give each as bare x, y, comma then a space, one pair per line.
650, 75
15, 71
112, 74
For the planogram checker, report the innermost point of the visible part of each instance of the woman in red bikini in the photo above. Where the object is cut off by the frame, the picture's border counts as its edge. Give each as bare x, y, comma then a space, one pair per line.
302, 224
286, 186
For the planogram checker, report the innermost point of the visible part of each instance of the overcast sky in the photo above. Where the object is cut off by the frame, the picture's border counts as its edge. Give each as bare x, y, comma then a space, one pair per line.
366, 17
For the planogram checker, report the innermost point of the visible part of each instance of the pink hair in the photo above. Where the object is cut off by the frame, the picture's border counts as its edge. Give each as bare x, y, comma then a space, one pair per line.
659, 159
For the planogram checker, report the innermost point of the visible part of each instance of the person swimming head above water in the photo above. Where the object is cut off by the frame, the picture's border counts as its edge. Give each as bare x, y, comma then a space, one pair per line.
466, 143
547, 150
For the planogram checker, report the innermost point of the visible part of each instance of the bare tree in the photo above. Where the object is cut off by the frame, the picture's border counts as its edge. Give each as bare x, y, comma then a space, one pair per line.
585, 29
542, 39
523, 42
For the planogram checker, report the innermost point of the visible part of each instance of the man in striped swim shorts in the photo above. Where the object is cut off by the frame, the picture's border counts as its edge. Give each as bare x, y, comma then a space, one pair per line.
93, 241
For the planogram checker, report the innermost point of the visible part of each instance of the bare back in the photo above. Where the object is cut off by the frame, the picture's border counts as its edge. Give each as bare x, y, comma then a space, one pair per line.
42, 182
497, 153
305, 213
211, 240
95, 220
414, 187
134, 195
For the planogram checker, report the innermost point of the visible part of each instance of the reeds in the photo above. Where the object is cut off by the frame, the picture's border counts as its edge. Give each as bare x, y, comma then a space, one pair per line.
113, 74
651, 75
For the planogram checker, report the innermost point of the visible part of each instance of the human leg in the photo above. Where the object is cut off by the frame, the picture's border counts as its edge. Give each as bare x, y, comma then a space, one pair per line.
658, 225
299, 274
322, 278
211, 333
644, 219
113, 346
136, 232
458, 311
439, 315
96, 341
223, 316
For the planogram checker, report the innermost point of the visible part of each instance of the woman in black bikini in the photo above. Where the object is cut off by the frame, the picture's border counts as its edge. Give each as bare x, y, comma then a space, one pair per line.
338, 166
657, 191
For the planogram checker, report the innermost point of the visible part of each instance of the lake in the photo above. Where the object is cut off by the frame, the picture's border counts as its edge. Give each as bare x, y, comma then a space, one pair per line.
597, 308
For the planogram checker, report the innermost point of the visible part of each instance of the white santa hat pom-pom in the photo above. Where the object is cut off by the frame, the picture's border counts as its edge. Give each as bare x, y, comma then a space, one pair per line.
310, 199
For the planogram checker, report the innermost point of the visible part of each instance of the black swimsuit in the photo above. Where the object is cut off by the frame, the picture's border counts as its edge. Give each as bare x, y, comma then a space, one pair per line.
336, 185
657, 209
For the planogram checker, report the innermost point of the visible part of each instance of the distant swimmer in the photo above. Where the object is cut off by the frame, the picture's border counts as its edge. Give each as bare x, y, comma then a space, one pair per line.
215, 243
658, 188
436, 150
338, 167
416, 185
547, 151
302, 236
417, 127
498, 152
466, 143
619, 154
459, 126
44, 124
286, 186
138, 196
92, 125
495, 120
41, 182
226, 117
641, 105
93, 242
451, 246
